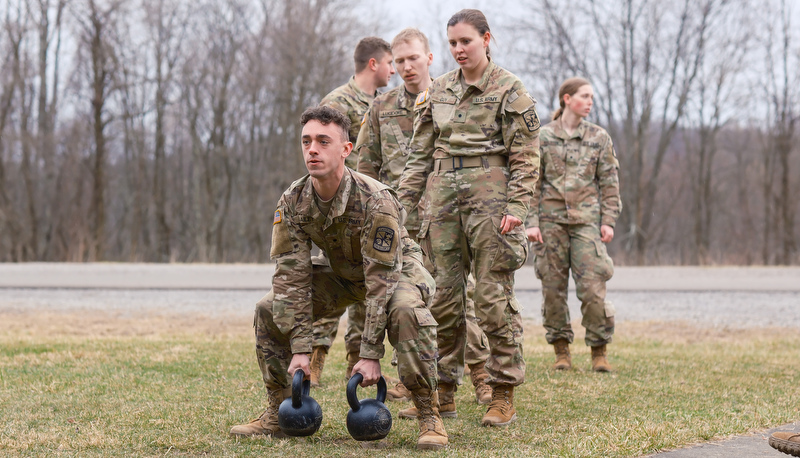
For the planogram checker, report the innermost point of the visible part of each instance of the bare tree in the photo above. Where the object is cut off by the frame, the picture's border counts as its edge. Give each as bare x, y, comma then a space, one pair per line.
97, 24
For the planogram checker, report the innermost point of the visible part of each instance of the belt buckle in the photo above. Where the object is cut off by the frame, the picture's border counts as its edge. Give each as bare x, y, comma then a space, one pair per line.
460, 162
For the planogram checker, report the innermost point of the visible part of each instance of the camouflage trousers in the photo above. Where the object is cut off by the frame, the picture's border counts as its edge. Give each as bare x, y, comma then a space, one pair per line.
326, 329
577, 247
410, 325
461, 227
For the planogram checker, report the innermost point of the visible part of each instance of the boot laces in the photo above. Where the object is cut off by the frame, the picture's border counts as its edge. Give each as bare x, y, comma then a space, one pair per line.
500, 400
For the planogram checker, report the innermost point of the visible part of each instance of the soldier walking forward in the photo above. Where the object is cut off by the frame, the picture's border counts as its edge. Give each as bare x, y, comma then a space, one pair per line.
373, 69
475, 153
572, 217
382, 150
358, 224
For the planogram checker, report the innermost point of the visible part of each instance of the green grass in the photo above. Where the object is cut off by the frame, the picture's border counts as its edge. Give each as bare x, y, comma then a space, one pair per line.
179, 395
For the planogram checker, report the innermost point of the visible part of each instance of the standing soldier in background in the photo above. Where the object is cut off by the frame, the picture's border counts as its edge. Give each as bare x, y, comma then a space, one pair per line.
358, 223
373, 65
475, 156
373, 61
382, 150
572, 217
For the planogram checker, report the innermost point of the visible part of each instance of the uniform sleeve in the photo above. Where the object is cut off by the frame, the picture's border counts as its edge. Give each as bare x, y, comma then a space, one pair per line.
291, 283
420, 160
533, 212
368, 146
608, 182
521, 137
381, 248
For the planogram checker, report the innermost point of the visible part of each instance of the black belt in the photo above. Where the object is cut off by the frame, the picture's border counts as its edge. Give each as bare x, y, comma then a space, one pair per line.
462, 162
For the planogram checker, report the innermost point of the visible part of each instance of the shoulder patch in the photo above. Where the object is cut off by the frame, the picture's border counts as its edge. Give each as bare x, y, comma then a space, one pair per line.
364, 118
531, 120
281, 240
422, 97
384, 239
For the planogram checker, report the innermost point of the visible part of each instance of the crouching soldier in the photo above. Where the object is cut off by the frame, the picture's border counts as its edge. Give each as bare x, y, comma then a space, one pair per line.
358, 223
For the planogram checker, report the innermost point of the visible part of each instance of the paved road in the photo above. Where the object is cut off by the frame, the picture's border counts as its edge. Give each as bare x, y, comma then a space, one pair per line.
727, 297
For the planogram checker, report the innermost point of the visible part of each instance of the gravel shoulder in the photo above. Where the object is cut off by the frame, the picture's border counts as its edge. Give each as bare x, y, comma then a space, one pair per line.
258, 276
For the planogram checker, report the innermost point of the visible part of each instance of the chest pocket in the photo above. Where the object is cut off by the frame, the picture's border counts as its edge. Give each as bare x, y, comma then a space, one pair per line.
392, 134
444, 111
351, 244
590, 154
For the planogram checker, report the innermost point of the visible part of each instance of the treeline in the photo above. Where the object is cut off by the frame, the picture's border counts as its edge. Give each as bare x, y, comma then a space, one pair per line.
165, 130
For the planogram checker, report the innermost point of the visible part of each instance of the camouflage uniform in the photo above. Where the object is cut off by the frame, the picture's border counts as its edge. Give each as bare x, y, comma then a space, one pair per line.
372, 261
382, 150
354, 103
578, 192
475, 155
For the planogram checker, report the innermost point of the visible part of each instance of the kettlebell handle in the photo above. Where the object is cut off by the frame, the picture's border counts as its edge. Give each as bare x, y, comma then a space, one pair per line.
352, 385
300, 388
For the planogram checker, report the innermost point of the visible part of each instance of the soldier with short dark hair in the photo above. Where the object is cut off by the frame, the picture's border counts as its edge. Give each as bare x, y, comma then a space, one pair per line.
373, 66
358, 223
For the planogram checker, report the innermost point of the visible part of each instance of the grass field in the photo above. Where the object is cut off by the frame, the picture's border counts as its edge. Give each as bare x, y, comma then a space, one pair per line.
165, 387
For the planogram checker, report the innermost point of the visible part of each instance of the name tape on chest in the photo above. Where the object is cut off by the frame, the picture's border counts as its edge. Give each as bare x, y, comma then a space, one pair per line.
392, 113
486, 100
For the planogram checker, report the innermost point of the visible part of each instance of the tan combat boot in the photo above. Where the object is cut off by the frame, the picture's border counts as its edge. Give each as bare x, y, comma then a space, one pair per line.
478, 374
786, 441
352, 359
446, 406
501, 411
399, 393
599, 361
267, 422
563, 358
317, 364
432, 435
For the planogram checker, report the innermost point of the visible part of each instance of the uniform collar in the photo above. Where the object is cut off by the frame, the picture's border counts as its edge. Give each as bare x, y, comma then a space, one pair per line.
338, 206
361, 95
579, 132
454, 84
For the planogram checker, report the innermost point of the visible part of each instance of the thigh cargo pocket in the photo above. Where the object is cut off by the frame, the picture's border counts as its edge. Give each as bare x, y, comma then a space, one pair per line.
604, 267
512, 248
426, 246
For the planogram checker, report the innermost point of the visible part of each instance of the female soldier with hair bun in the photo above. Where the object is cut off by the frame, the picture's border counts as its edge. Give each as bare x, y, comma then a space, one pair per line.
572, 218
475, 155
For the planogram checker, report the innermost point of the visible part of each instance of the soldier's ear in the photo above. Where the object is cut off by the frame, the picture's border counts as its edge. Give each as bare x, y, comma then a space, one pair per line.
348, 148
372, 64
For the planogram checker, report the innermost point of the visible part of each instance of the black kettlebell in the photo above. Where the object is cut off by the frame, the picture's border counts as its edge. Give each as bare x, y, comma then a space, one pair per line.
300, 415
369, 419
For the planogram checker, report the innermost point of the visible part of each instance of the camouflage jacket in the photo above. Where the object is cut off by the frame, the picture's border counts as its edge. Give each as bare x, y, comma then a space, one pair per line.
494, 116
353, 102
363, 238
382, 146
580, 177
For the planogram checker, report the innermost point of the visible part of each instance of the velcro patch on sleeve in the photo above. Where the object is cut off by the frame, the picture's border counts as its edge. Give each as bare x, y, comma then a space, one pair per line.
522, 103
364, 118
281, 241
383, 240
